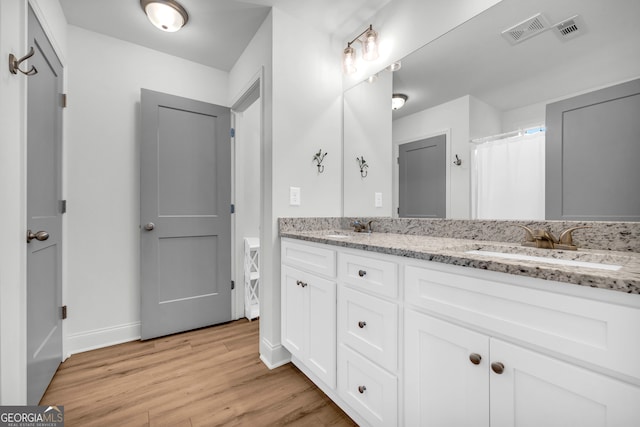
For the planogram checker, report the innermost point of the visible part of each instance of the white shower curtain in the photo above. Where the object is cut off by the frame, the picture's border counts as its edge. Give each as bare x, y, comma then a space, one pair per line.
508, 178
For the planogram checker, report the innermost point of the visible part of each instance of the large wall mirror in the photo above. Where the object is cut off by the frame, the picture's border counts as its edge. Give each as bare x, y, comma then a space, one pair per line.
469, 94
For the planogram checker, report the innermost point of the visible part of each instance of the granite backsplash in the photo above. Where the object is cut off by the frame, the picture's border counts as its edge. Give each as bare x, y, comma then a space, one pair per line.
613, 236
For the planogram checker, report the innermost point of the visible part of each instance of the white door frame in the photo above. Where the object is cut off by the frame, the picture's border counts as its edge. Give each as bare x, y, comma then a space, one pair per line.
254, 88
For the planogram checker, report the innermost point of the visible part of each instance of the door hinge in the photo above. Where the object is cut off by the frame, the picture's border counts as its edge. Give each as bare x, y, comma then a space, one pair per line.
398, 211
63, 206
232, 133
233, 208
64, 100
63, 312
233, 285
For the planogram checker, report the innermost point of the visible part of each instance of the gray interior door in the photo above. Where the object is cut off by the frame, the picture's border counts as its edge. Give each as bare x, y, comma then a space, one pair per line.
423, 179
44, 219
592, 155
185, 196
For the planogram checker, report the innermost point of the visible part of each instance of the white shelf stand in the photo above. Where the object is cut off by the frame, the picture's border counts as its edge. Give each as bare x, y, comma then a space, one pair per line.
251, 277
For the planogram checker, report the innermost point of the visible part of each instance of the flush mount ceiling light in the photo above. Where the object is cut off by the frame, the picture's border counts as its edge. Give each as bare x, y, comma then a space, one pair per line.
398, 100
369, 40
167, 15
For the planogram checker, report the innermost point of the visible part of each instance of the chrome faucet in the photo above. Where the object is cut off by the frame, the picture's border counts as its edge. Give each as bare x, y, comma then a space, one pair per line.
546, 240
359, 227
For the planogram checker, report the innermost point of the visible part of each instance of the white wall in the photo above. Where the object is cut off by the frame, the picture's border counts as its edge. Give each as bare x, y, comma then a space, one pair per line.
13, 31
453, 118
406, 25
102, 158
367, 132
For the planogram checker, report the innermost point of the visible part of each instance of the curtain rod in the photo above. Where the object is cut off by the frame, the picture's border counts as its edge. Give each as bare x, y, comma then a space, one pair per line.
519, 132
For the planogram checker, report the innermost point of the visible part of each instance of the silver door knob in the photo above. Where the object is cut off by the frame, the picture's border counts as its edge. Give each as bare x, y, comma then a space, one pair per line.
40, 236
149, 226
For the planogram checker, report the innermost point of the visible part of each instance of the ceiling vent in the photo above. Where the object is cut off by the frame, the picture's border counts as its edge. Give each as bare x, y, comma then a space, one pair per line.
569, 28
526, 29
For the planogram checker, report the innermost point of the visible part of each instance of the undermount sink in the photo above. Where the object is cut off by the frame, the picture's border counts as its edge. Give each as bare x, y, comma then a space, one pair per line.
337, 235
601, 261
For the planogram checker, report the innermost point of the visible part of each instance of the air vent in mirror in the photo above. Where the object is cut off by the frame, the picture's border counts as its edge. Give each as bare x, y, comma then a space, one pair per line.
526, 29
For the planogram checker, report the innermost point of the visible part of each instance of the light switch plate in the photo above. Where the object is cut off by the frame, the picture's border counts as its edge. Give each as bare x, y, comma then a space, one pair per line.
294, 196
378, 200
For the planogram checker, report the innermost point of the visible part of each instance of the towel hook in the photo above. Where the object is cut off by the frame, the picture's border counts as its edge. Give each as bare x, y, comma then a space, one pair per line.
319, 157
14, 64
363, 165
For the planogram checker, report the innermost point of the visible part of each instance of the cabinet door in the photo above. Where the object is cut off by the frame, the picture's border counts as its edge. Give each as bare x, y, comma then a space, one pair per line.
294, 312
536, 390
443, 386
321, 303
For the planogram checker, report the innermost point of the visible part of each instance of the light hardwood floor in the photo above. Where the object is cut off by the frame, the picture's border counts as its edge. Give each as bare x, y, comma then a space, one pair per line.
208, 377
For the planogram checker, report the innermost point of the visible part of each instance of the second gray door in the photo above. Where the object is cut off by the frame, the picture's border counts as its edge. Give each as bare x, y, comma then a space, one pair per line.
422, 167
185, 196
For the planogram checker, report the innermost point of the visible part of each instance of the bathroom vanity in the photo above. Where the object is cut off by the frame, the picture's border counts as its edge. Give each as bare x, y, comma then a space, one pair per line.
413, 330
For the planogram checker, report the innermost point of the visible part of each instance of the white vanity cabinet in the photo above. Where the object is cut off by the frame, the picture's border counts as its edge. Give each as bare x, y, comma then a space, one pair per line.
421, 343
309, 307
368, 336
493, 368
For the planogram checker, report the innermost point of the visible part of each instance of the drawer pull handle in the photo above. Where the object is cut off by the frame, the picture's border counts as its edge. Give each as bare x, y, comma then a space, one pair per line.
362, 324
362, 273
362, 389
497, 367
475, 358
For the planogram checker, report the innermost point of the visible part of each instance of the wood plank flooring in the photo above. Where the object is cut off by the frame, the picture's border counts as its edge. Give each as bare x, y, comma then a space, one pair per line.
207, 377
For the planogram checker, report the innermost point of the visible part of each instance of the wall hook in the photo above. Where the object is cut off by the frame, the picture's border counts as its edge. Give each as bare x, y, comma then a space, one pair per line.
457, 161
319, 157
362, 163
14, 64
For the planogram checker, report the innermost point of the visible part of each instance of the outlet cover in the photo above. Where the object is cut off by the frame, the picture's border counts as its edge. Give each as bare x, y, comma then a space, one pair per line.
378, 200
294, 196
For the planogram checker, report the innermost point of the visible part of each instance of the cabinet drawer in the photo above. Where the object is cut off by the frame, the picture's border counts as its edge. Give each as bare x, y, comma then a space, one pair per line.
370, 274
368, 389
309, 257
369, 325
596, 332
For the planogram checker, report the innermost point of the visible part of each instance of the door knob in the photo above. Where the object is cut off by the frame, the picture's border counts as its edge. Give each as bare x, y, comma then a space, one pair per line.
40, 235
497, 367
149, 226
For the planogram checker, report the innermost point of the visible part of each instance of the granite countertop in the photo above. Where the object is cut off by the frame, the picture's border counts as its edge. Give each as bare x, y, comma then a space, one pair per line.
455, 252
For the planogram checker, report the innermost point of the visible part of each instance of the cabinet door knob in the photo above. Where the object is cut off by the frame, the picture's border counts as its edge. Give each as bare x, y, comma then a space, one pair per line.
298, 282
362, 324
362, 273
475, 358
303, 284
362, 389
497, 367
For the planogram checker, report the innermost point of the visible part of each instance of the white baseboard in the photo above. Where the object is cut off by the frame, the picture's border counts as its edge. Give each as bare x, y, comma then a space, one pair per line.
273, 355
99, 338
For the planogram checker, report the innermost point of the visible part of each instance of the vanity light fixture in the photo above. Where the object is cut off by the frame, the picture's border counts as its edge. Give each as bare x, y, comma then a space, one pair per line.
369, 40
167, 15
398, 100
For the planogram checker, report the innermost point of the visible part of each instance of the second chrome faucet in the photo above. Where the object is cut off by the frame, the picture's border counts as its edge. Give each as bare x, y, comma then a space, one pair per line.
544, 239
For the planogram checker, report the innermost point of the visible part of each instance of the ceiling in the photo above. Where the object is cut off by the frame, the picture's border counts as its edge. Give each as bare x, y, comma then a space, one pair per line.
475, 59
218, 30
